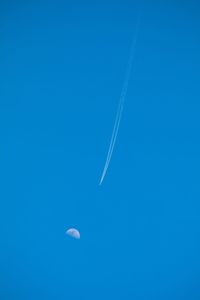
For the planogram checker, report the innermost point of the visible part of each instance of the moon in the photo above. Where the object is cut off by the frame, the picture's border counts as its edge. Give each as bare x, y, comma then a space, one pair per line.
74, 233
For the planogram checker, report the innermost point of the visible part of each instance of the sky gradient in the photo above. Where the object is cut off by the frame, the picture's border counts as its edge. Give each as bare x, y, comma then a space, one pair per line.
62, 67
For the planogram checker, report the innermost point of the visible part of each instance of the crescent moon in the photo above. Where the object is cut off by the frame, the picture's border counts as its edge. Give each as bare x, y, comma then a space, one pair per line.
74, 233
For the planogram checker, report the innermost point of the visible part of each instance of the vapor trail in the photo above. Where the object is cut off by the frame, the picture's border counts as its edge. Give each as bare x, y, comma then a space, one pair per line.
120, 106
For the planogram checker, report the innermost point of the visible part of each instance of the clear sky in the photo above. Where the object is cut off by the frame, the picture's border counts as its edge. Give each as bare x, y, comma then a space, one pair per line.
62, 67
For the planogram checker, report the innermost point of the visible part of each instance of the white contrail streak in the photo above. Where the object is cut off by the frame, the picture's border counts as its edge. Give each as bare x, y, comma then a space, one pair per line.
120, 107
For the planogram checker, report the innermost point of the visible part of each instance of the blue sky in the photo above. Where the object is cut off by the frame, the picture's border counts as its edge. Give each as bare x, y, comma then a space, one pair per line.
62, 66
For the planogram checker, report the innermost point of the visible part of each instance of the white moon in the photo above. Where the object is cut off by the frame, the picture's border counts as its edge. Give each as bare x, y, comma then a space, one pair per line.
73, 233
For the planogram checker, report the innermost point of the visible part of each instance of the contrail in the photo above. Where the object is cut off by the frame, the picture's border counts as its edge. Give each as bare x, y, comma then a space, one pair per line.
120, 106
